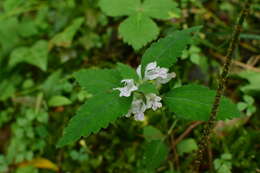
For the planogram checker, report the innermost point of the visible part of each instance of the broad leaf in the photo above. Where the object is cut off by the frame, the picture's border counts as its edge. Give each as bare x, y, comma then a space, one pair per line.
11, 4
98, 80
137, 30
159, 9
119, 7
148, 88
152, 133
126, 71
37, 55
65, 38
186, 146
9, 37
166, 51
253, 79
95, 114
59, 101
155, 153
194, 102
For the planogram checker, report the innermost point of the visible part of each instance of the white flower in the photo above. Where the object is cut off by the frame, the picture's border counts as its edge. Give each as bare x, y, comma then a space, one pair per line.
153, 72
153, 101
139, 116
138, 108
128, 88
167, 79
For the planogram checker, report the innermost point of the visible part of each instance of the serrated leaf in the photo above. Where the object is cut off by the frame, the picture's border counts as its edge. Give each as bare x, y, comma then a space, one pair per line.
166, 51
148, 88
98, 81
59, 101
95, 114
36, 55
138, 30
126, 71
152, 133
64, 39
186, 146
155, 153
119, 7
159, 9
194, 102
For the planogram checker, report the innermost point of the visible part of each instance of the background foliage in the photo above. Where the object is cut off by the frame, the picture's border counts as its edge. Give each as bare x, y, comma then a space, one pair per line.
42, 43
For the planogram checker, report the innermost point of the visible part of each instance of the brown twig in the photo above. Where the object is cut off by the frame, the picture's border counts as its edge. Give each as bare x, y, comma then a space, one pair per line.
238, 63
187, 131
203, 143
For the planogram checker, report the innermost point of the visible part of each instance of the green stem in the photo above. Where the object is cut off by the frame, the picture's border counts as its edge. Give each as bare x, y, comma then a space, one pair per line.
203, 143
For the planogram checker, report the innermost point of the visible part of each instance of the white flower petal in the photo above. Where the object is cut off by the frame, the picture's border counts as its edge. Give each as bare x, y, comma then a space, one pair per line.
151, 66
138, 106
153, 101
154, 72
138, 71
167, 79
139, 116
128, 114
128, 88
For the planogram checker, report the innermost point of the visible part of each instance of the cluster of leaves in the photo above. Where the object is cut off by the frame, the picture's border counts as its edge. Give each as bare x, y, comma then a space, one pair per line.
139, 28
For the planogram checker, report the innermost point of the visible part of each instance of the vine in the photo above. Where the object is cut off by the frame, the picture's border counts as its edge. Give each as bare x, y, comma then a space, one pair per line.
203, 143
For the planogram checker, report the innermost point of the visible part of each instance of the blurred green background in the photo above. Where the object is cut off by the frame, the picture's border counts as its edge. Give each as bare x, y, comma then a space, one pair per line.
42, 42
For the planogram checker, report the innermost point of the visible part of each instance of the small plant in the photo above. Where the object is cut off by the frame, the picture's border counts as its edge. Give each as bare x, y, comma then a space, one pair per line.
247, 105
139, 28
123, 91
223, 164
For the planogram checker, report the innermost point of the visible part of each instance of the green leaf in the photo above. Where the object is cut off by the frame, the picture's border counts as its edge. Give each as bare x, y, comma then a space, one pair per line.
187, 146
250, 100
152, 133
27, 28
11, 4
127, 72
166, 51
7, 89
159, 9
27, 169
98, 81
148, 88
155, 153
242, 106
253, 79
95, 114
37, 55
119, 7
194, 102
64, 39
59, 101
138, 30
50, 84
8, 34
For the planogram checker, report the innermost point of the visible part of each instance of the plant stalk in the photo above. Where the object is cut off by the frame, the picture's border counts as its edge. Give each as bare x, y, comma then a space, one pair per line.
207, 129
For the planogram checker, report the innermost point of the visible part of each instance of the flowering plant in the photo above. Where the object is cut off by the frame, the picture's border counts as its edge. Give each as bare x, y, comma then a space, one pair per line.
141, 103
123, 91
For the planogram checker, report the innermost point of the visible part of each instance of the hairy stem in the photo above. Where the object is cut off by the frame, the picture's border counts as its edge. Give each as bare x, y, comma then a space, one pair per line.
203, 143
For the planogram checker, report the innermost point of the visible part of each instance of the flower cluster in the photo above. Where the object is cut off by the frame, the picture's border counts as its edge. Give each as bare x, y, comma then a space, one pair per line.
150, 101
